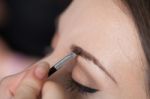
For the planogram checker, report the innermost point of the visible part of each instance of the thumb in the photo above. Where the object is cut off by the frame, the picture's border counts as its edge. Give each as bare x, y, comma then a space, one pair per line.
52, 90
31, 84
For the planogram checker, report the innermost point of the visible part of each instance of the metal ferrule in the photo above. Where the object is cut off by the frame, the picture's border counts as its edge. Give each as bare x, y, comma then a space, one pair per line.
66, 59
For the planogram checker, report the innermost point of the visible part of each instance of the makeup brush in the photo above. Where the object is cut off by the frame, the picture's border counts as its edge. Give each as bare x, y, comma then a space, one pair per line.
61, 62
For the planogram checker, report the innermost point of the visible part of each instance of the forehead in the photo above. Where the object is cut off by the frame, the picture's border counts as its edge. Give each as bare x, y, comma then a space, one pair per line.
103, 29
99, 27
106, 32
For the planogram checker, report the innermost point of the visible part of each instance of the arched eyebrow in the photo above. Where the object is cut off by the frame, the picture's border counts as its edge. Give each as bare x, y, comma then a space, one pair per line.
80, 51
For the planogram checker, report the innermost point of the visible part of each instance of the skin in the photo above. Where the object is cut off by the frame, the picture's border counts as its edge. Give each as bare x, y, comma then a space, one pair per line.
30, 84
107, 31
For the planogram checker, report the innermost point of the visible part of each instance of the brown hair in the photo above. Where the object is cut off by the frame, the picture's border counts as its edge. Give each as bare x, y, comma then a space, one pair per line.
140, 10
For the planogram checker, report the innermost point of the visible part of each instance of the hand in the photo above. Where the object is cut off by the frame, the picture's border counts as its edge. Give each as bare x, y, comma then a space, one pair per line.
25, 85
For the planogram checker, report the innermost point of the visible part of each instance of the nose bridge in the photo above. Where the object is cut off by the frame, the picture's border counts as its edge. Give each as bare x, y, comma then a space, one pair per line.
56, 55
53, 58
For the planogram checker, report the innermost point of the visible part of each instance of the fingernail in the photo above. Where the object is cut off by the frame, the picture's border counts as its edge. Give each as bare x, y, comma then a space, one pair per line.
41, 70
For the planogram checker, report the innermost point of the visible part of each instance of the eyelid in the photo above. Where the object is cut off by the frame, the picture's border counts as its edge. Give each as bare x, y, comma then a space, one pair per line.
75, 86
83, 85
86, 55
82, 74
86, 63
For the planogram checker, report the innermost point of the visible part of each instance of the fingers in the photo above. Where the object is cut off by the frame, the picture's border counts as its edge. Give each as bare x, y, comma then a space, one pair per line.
8, 84
31, 84
52, 91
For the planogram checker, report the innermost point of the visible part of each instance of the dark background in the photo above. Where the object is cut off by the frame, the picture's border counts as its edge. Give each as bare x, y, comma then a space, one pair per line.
30, 25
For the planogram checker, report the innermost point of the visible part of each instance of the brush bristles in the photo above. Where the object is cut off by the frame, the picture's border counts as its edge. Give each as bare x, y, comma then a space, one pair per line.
76, 50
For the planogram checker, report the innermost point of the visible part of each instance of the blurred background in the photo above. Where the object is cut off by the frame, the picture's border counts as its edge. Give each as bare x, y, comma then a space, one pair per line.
26, 31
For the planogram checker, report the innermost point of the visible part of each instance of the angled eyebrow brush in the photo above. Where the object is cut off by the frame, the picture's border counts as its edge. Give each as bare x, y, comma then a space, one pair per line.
61, 62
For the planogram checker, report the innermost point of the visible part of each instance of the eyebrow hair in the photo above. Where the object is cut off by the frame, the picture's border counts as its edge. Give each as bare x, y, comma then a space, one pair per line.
79, 51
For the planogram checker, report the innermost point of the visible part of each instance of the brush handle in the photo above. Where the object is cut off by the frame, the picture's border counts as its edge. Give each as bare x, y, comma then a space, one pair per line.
51, 71
61, 62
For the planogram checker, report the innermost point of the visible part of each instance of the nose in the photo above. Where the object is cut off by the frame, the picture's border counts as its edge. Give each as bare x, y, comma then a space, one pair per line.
53, 57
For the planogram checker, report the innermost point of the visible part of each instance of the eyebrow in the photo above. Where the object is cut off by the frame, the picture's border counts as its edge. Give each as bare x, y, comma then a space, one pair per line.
81, 52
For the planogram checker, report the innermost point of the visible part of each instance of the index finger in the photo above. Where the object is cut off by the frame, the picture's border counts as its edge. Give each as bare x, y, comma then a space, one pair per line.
31, 84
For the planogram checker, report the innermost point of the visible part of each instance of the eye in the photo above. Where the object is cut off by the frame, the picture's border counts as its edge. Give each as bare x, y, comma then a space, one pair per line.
74, 86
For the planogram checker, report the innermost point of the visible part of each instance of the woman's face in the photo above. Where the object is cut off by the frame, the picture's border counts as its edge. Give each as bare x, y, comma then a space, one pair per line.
105, 30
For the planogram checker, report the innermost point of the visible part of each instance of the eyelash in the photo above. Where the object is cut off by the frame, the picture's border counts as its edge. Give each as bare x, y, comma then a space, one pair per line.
74, 86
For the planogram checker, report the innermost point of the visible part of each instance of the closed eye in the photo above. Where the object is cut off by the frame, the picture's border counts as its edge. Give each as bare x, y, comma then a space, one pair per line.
74, 86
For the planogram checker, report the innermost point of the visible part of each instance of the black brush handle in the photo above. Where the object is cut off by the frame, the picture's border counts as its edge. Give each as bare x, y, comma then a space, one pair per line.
51, 71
